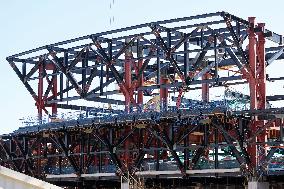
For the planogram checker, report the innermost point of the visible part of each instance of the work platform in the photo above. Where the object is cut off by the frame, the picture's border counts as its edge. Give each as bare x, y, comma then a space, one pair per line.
150, 126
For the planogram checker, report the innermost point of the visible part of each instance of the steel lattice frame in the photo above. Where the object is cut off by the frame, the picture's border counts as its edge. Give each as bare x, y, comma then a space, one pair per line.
160, 50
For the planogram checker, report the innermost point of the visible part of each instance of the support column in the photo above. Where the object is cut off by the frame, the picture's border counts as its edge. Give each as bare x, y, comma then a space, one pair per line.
261, 70
252, 63
205, 89
128, 80
186, 59
127, 157
54, 91
281, 130
163, 91
252, 85
261, 87
40, 90
39, 171
157, 155
127, 77
186, 153
216, 148
141, 79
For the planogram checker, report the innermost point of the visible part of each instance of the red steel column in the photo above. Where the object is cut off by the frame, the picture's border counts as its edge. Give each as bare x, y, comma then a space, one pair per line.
40, 91
252, 63
261, 79
128, 81
252, 85
163, 93
127, 76
205, 89
261, 71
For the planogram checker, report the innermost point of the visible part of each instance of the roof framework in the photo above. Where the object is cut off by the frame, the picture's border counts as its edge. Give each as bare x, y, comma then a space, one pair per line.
186, 47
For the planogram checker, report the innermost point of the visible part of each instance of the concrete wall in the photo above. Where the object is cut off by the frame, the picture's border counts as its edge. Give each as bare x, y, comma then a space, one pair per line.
10, 179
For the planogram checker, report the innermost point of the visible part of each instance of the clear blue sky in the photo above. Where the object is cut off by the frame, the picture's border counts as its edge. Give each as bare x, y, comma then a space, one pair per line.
32, 23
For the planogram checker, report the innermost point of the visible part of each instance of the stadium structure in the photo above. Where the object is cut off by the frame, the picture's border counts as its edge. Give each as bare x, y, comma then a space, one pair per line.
177, 103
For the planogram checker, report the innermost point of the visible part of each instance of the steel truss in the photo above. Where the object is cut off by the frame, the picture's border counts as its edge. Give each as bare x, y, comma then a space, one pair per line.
91, 148
179, 55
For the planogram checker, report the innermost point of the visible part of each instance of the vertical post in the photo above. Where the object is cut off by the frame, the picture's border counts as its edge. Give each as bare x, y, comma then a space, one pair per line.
96, 163
281, 130
88, 148
261, 68
252, 63
185, 59
261, 83
39, 171
61, 78
185, 153
101, 79
11, 146
60, 164
216, 148
44, 143
163, 90
163, 78
157, 155
169, 41
140, 80
205, 89
216, 74
127, 77
202, 38
40, 90
238, 28
54, 92
100, 157
25, 149
65, 63
126, 147
158, 67
206, 140
61, 85
110, 55
24, 69
252, 84
82, 146
84, 71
